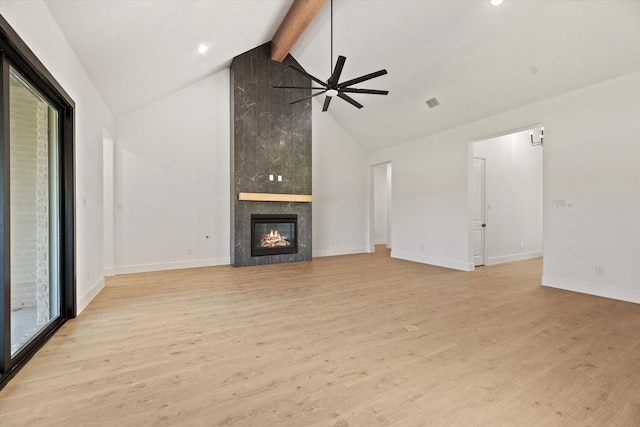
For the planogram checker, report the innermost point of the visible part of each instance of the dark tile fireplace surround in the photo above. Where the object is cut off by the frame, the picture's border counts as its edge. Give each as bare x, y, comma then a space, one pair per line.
270, 155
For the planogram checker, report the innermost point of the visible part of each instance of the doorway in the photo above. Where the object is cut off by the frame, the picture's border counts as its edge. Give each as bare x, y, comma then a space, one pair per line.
506, 198
381, 235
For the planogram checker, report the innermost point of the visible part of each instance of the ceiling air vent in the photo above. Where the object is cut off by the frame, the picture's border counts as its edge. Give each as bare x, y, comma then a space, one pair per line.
433, 102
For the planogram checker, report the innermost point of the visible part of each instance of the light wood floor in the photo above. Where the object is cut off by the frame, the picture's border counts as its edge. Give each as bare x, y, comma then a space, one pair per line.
333, 342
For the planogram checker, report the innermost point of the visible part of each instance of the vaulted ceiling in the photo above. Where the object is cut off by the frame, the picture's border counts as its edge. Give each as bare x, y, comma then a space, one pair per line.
476, 59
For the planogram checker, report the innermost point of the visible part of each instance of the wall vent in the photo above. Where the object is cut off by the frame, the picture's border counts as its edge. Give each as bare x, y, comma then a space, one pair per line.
433, 102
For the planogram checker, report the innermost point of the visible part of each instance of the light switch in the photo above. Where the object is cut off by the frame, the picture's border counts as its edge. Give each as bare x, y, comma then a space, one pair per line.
270, 177
279, 178
558, 203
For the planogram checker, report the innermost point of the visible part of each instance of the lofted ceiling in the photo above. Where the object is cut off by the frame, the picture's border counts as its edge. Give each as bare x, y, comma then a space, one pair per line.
476, 59
138, 51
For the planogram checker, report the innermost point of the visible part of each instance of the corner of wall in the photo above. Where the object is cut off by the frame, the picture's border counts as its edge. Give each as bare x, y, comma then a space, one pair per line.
84, 300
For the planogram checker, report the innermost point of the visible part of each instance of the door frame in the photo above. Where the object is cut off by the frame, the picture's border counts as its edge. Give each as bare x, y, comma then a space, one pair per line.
484, 212
372, 224
470, 156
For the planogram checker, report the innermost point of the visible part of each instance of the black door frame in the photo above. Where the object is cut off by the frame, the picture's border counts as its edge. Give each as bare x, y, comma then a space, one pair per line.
15, 53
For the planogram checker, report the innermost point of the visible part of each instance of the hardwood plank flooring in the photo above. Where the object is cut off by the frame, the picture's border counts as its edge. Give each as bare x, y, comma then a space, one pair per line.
359, 340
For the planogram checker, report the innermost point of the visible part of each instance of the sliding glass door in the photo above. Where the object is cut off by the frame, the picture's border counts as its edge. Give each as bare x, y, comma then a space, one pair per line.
37, 256
34, 212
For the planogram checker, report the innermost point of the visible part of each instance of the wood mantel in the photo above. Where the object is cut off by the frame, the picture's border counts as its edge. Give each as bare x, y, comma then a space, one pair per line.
274, 197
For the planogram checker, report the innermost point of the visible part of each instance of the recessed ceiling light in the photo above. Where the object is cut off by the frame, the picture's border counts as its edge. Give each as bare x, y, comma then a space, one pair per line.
203, 48
496, 2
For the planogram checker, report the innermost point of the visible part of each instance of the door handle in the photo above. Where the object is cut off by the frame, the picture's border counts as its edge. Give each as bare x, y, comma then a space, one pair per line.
484, 225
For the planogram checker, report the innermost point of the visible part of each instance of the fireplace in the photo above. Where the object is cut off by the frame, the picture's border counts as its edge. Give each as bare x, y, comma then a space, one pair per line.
274, 139
274, 234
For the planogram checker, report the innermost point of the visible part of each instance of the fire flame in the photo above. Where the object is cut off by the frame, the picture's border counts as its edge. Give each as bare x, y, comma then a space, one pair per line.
273, 239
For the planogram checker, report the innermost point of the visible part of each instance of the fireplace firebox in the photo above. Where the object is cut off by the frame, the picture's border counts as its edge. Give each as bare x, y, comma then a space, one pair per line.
274, 234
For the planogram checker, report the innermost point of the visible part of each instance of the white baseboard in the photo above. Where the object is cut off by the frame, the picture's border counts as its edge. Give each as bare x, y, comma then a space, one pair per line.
455, 265
335, 252
110, 271
83, 301
381, 241
513, 257
147, 268
598, 289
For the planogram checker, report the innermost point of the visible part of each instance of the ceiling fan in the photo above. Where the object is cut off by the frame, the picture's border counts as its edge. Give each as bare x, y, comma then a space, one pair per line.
332, 87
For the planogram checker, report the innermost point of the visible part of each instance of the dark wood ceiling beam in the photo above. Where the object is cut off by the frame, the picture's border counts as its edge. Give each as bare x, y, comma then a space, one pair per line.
297, 20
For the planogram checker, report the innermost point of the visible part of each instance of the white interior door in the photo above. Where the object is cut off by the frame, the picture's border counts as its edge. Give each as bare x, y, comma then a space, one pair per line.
478, 214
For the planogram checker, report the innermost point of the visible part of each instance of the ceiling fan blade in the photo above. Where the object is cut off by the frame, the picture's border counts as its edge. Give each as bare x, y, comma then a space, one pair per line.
307, 97
304, 73
298, 87
327, 101
367, 91
362, 78
335, 77
350, 100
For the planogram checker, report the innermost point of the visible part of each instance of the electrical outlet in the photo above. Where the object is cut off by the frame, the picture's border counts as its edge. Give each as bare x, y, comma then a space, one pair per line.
521, 245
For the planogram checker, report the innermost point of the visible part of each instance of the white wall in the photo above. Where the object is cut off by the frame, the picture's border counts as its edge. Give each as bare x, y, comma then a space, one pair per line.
513, 188
380, 205
172, 180
594, 167
35, 25
591, 158
429, 201
340, 189
173, 185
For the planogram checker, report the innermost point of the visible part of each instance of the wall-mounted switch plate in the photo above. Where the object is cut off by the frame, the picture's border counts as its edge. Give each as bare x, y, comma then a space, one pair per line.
270, 177
279, 178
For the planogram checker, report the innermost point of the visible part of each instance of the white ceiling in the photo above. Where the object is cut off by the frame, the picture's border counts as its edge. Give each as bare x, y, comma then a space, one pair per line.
138, 51
475, 58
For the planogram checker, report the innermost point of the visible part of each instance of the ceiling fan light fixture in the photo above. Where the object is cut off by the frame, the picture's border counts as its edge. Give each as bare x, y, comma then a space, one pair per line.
333, 87
496, 2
